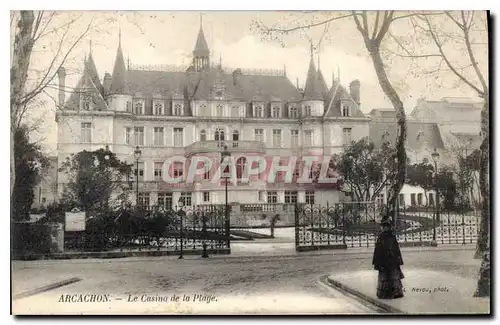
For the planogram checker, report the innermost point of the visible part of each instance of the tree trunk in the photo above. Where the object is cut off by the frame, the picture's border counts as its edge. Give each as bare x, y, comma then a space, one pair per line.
484, 184
483, 242
22, 48
390, 92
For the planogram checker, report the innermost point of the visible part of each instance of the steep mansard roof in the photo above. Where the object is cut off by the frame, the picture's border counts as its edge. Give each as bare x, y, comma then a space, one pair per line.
430, 135
200, 85
334, 99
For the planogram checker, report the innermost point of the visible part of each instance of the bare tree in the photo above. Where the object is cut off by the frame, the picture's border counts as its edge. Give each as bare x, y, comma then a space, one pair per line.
41, 43
373, 28
460, 47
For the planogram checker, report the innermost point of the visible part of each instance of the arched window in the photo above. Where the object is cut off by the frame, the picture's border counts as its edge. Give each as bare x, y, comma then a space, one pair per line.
258, 111
276, 111
219, 134
240, 167
203, 135
236, 138
138, 108
177, 109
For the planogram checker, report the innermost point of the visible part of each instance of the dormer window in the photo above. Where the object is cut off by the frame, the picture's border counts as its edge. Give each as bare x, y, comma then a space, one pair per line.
85, 102
276, 111
177, 110
307, 110
219, 110
258, 111
293, 112
158, 108
346, 111
203, 110
139, 108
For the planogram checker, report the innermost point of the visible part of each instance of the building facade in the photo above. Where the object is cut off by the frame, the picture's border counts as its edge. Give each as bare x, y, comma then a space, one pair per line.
199, 110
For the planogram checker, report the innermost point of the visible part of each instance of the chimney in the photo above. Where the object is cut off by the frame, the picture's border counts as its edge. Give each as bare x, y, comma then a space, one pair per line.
237, 77
354, 90
107, 83
61, 72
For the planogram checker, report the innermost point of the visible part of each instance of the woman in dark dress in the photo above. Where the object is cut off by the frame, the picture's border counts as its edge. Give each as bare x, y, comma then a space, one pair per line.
387, 260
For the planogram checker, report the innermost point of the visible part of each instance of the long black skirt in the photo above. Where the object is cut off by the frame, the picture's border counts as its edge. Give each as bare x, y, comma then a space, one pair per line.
389, 284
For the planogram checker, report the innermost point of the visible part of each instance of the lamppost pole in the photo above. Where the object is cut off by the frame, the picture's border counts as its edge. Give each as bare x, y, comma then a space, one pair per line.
181, 215
225, 154
435, 157
137, 155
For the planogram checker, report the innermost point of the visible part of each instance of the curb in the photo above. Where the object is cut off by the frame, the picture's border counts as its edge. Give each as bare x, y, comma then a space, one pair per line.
45, 288
373, 301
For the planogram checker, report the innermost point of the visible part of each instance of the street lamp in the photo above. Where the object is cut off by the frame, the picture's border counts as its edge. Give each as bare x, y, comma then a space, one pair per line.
435, 157
225, 154
137, 156
181, 213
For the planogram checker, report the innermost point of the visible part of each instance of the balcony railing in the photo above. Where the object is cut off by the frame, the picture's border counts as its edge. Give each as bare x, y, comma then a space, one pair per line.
232, 146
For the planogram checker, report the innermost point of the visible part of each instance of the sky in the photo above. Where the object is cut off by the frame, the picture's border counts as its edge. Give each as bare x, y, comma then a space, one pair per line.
164, 37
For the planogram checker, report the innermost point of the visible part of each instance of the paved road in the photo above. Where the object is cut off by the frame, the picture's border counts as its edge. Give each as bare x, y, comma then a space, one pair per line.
238, 285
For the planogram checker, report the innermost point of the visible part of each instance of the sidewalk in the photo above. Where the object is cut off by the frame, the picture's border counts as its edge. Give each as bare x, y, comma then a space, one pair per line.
426, 292
253, 248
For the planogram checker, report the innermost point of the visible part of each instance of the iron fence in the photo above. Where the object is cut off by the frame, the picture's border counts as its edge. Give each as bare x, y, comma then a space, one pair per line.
181, 230
355, 224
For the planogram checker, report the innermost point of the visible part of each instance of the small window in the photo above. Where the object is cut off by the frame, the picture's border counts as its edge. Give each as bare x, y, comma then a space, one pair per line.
309, 197
177, 109
139, 108
347, 133
290, 197
178, 169
401, 200
345, 111
294, 140
158, 136
420, 198
413, 200
206, 196
186, 198
219, 110
293, 112
259, 135
129, 107
158, 166
144, 200
307, 110
203, 135
272, 197
258, 112
276, 111
86, 132
158, 108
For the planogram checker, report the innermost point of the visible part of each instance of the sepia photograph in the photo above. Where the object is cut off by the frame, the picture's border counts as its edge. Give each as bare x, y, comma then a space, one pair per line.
211, 162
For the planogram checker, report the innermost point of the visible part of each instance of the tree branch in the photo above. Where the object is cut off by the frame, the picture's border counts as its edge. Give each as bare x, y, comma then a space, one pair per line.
288, 30
448, 63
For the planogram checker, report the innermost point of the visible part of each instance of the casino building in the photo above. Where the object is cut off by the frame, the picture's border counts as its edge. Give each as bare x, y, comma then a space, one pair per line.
172, 111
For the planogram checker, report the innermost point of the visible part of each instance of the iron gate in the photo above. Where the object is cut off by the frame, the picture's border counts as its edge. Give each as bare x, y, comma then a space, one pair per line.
354, 224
